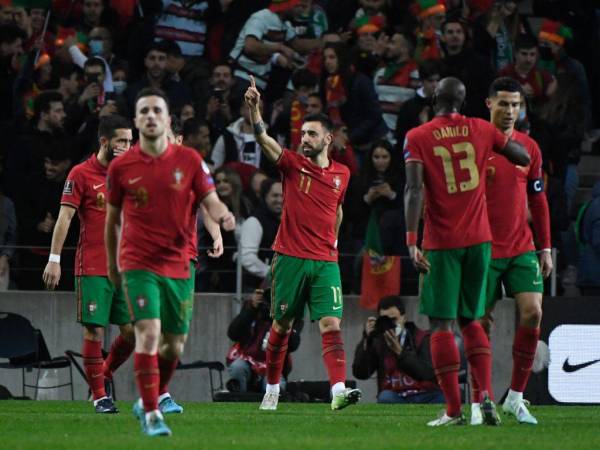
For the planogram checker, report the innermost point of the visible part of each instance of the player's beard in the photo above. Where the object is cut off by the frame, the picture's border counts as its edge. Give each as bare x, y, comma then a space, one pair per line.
110, 153
311, 152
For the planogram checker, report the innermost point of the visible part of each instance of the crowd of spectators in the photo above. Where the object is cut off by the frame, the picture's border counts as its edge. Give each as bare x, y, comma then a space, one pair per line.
371, 65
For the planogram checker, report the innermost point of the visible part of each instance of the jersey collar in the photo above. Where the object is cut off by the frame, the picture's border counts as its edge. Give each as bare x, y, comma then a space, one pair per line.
96, 164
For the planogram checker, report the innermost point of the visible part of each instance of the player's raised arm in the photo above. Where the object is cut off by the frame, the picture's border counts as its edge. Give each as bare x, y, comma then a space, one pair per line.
113, 221
516, 153
52, 271
270, 147
413, 207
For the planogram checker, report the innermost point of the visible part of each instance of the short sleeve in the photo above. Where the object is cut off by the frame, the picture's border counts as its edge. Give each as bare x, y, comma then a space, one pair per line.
345, 187
255, 26
290, 32
411, 150
286, 161
113, 186
202, 183
73, 189
499, 139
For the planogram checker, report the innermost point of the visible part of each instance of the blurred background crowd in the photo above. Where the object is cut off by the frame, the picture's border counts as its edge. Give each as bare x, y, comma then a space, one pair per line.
371, 65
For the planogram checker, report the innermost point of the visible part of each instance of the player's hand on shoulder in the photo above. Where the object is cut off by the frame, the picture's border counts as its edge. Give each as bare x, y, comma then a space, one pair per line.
418, 260
51, 275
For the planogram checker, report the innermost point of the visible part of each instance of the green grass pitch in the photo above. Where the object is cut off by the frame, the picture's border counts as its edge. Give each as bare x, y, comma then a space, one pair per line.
74, 426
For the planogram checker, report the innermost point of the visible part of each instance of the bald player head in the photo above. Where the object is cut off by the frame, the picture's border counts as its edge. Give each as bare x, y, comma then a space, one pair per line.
449, 95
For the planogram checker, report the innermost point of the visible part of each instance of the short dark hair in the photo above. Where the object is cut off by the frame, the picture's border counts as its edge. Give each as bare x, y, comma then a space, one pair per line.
156, 46
391, 301
152, 92
9, 33
430, 67
507, 84
304, 78
95, 62
171, 48
42, 102
323, 119
110, 124
525, 41
266, 185
455, 18
192, 126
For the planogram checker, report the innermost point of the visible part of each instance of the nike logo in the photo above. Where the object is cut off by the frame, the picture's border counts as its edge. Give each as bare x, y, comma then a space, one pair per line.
575, 367
98, 186
537, 282
134, 180
335, 308
303, 170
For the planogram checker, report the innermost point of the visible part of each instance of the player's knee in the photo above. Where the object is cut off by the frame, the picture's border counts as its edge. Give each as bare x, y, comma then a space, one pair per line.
532, 314
128, 332
282, 327
147, 342
92, 333
327, 324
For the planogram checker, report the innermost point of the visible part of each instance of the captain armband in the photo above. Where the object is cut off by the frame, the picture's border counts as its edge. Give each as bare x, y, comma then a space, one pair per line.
535, 186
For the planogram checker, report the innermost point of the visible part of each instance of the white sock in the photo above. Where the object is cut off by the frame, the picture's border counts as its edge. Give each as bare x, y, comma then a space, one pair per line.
272, 389
161, 397
96, 401
152, 414
475, 405
338, 388
140, 403
514, 396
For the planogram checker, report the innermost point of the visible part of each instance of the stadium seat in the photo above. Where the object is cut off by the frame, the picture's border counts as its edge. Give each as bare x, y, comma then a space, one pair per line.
210, 365
25, 349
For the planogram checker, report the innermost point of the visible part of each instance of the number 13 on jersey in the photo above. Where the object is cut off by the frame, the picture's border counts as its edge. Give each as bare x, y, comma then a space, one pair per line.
466, 163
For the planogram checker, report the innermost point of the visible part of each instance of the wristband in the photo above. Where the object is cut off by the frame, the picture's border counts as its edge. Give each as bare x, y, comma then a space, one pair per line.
411, 238
54, 258
274, 57
546, 250
259, 128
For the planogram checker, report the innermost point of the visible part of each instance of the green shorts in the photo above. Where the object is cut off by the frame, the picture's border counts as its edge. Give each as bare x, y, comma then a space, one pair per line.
99, 302
455, 285
298, 281
152, 296
518, 274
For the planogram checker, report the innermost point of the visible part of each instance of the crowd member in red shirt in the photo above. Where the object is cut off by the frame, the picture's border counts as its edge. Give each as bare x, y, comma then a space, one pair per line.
304, 269
538, 84
445, 167
99, 302
514, 262
151, 190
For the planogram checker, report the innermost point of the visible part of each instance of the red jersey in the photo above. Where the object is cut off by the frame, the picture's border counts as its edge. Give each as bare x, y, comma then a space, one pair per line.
155, 196
454, 150
85, 190
508, 219
311, 196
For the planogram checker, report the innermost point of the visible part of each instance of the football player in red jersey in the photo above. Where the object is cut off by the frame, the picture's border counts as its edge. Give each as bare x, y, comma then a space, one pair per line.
445, 163
99, 302
304, 269
514, 262
151, 190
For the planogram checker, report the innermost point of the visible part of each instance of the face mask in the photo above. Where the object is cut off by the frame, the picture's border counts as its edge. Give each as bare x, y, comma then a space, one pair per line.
119, 86
303, 99
522, 115
96, 47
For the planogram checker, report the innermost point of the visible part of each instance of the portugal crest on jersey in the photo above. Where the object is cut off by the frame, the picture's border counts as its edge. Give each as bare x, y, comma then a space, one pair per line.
178, 177
337, 182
